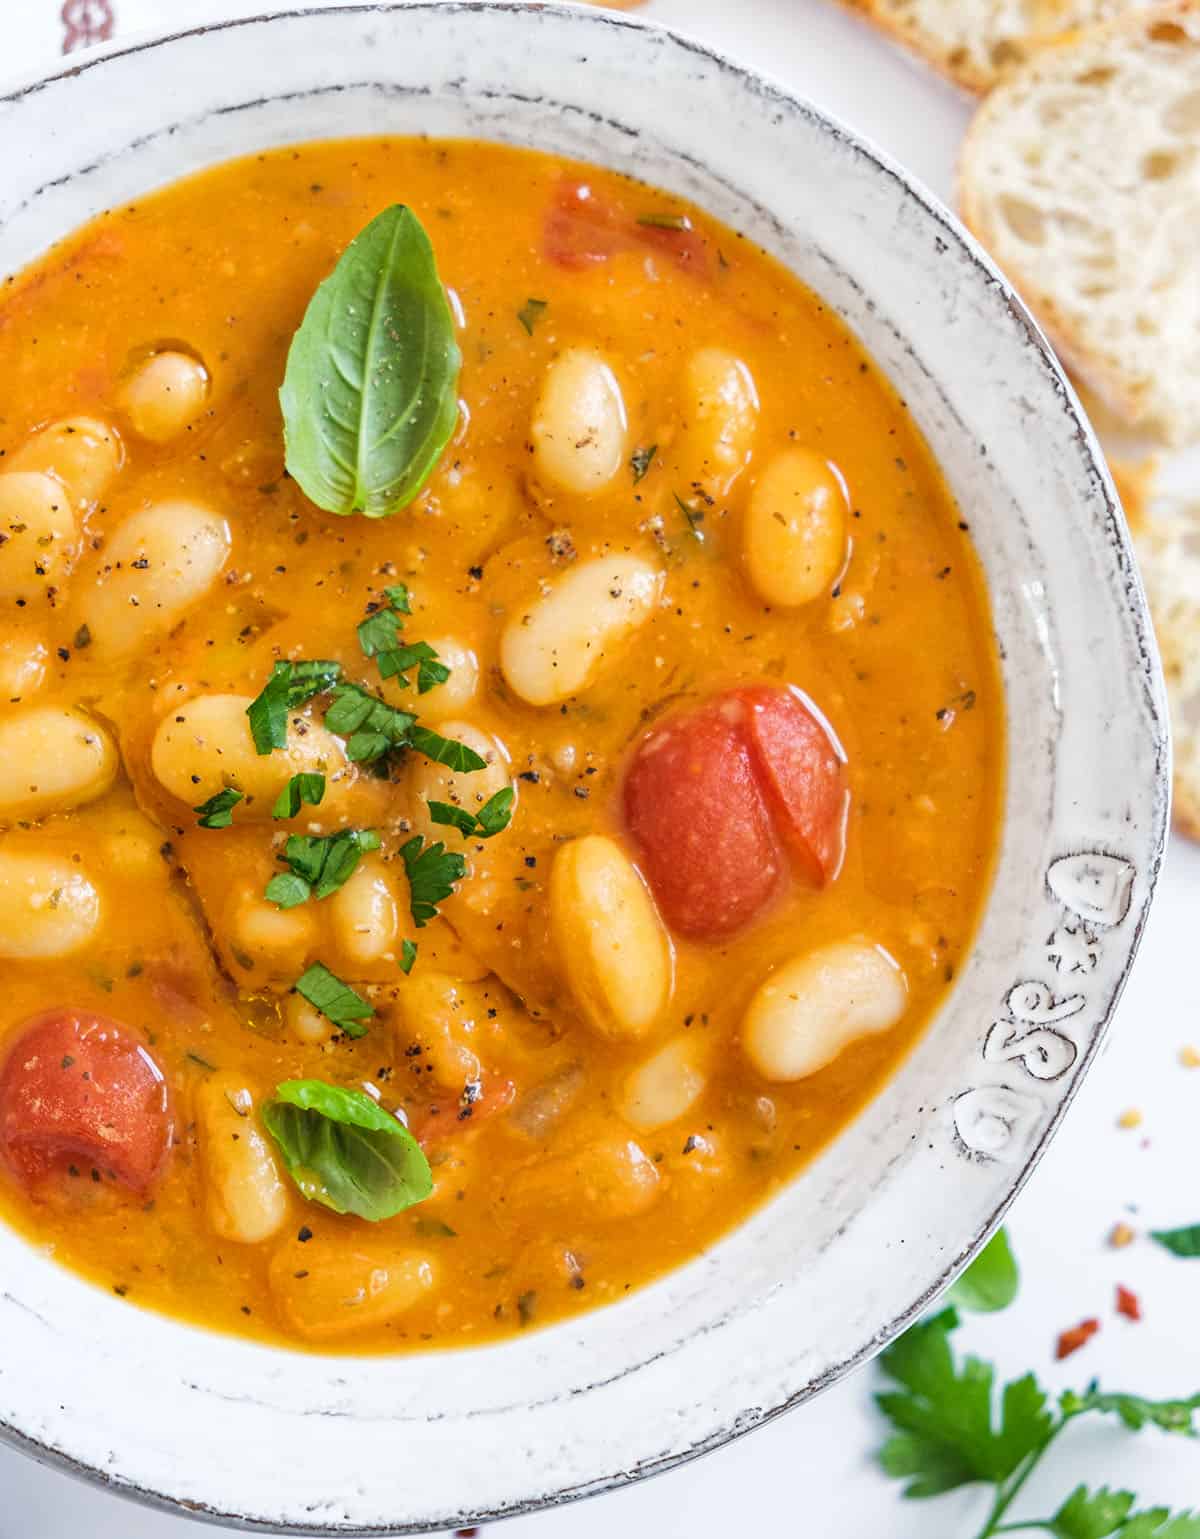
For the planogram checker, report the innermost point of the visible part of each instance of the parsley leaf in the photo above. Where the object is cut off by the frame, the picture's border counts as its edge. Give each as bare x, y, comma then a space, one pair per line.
991, 1281
380, 637
289, 686
443, 750
430, 673
1183, 1242
370, 725
641, 460
531, 313
1097, 1514
379, 632
432, 874
947, 1433
408, 955
320, 864
398, 597
335, 1000
492, 818
306, 788
217, 811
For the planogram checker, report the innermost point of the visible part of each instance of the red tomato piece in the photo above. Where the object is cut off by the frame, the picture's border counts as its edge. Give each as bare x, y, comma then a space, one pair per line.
804, 776
582, 229
446, 1119
694, 805
78, 1086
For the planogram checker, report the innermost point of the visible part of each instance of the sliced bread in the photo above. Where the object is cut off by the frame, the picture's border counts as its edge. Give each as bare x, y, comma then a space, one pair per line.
976, 41
1167, 538
1081, 174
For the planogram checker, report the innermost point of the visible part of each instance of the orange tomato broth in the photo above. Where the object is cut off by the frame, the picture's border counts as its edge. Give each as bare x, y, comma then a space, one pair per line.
899, 656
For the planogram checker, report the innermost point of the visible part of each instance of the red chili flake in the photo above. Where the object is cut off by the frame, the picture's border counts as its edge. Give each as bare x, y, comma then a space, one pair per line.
1071, 1341
1128, 1304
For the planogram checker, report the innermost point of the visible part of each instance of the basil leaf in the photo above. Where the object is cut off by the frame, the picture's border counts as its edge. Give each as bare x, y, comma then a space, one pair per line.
443, 750
308, 787
370, 393
290, 685
1183, 1242
991, 1281
217, 811
344, 1151
432, 874
335, 1000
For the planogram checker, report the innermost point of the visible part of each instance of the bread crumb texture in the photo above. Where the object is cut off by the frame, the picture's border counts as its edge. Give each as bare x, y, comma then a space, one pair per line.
1081, 174
976, 41
1167, 540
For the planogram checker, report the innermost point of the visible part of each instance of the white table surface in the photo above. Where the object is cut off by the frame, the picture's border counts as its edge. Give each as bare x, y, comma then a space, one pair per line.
810, 1475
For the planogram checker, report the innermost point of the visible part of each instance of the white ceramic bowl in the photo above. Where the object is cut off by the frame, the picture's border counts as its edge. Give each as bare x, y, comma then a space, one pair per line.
824, 1275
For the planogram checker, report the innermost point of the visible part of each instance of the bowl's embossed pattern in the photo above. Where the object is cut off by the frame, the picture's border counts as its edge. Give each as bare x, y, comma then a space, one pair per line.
850, 1253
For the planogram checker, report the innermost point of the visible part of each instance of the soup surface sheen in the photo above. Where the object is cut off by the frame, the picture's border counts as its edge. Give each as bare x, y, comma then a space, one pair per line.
707, 608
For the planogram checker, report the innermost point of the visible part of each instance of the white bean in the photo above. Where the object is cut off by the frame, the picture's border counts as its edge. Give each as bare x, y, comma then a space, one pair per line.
48, 907
665, 1086
339, 1282
365, 916
52, 758
275, 938
812, 1007
23, 658
39, 535
81, 452
455, 695
206, 744
245, 1194
611, 942
161, 562
555, 645
794, 535
721, 411
607, 1179
165, 395
579, 425
468, 789
304, 1022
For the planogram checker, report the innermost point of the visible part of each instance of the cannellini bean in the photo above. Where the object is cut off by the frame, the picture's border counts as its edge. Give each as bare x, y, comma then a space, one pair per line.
469, 789
579, 426
244, 1190
52, 758
305, 1022
554, 646
81, 452
39, 535
445, 1018
721, 410
447, 700
160, 562
337, 1283
365, 916
665, 1086
206, 744
165, 395
23, 658
608, 935
48, 907
794, 535
609, 1178
809, 1009
274, 935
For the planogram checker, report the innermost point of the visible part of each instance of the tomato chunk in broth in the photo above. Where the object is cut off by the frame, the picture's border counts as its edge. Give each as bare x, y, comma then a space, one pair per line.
424, 926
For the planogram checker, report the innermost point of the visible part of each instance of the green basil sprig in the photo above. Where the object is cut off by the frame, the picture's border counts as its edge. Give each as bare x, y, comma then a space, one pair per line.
370, 392
344, 1151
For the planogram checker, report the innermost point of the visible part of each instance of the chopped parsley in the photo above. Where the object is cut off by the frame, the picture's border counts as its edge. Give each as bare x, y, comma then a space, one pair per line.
432, 873
492, 818
379, 635
319, 864
444, 750
217, 811
641, 460
335, 1000
531, 313
370, 725
408, 955
301, 789
289, 686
